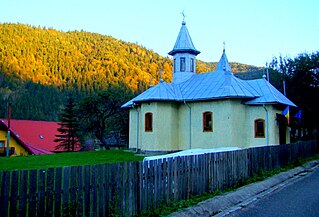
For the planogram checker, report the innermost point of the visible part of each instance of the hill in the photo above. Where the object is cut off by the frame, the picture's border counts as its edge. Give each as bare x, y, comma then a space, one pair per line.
40, 66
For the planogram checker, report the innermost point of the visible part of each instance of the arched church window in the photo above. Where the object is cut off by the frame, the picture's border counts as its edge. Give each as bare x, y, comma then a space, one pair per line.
149, 122
259, 128
174, 65
207, 122
183, 64
192, 65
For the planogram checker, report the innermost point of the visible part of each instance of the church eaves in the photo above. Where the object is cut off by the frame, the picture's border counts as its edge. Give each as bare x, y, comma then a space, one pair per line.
184, 42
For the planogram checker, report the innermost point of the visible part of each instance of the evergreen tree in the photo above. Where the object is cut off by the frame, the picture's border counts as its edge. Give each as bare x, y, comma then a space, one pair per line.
69, 126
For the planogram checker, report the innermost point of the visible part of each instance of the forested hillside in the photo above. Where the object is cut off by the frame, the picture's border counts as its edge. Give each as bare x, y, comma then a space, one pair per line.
40, 66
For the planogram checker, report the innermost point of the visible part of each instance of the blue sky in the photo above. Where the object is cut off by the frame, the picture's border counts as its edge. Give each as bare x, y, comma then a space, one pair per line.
254, 30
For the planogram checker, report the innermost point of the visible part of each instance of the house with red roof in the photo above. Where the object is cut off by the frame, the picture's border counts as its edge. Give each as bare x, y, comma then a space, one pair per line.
29, 137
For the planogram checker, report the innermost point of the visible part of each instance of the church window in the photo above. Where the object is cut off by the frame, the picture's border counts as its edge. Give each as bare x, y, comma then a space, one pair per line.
192, 65
183, 64
174, 65
149, 122
207, 122
259, 128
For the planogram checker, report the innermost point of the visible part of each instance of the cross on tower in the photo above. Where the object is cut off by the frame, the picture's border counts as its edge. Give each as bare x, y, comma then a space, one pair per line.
183, 14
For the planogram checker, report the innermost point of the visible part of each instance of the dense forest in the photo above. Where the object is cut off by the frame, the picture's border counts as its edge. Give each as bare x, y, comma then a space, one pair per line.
39, 67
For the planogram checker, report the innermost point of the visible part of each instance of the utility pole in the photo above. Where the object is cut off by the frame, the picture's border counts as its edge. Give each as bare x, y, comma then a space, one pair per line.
284, 85
8, 135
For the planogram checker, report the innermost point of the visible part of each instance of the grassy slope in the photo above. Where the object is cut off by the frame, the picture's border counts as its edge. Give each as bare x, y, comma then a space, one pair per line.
66, 159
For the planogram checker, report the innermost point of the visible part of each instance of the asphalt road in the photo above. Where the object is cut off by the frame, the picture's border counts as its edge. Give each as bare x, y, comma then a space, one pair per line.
300, 198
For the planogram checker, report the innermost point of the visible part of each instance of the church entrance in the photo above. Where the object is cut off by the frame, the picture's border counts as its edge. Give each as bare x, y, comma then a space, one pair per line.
282, 125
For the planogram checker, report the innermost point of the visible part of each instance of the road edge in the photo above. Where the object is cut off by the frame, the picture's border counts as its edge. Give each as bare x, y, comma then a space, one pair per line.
229, 202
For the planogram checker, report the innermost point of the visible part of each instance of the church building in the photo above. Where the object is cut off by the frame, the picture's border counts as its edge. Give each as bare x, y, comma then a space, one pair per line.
209, 110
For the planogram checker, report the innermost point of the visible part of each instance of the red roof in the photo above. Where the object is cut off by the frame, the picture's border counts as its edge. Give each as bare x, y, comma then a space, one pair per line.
37, 136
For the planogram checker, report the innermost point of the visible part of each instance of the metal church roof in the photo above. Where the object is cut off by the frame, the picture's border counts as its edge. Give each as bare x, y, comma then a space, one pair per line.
184, 42
221, 84
161, 92
268, 94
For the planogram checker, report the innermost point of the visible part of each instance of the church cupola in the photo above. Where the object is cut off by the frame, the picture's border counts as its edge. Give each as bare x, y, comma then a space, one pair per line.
223, 64
184, 56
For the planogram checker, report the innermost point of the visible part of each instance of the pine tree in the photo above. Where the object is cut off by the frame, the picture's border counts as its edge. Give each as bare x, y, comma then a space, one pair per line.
69, 126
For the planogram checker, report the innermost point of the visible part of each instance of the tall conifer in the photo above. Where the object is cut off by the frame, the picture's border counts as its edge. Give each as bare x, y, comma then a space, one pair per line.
69, 126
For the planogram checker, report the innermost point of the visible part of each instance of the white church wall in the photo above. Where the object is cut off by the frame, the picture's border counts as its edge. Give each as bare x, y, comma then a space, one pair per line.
163, 136
132, 127
220, 135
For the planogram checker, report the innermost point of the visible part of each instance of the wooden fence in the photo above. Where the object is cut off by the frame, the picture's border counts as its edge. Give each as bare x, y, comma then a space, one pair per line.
127, 189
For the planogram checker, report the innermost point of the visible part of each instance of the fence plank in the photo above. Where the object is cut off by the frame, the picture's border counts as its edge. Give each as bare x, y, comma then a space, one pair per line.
142, 168
124, 188
107, 194
87, 190
175, 174
80, 191
5, 190
94, 191
49, 192
67, 205
131, 188
100, 181
32, 193
41, 192
150, 186
1, 173
14, 193
23, 191
58, 192
73, 186
170, 178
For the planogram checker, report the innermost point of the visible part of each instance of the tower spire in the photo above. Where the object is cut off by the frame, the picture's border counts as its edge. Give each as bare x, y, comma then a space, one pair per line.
223, 64
184, 54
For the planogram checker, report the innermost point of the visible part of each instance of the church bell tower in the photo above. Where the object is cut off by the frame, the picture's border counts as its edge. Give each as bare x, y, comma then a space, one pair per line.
184, 56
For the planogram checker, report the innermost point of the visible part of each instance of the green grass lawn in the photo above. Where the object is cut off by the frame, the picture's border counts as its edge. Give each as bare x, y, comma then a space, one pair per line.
66, 159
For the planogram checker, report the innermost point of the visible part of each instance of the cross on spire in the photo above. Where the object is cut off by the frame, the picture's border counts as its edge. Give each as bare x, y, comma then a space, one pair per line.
183, 14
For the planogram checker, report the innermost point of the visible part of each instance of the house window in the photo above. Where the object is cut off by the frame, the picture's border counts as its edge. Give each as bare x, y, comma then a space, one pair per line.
1, 144
192, 64
149, 122
259, 128
207, 122
174, 65
183, 64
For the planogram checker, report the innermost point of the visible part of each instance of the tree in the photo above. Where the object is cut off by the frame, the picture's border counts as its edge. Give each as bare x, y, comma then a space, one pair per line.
69, 127
101, 113
302, 84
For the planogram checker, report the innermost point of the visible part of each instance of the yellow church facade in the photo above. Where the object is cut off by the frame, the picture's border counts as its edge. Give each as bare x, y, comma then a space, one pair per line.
209, 110
182, 126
